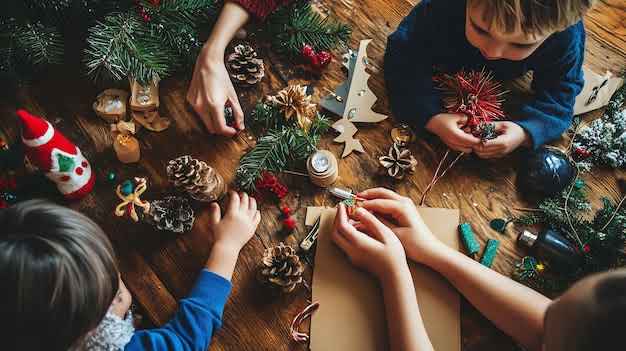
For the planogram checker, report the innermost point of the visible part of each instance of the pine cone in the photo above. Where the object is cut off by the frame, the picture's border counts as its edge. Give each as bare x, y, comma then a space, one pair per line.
245, 68
293, 101
398, 162
173, 214
197, 178
281, 268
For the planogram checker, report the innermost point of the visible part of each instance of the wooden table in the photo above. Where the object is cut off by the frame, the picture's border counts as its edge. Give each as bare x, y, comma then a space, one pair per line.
159, 268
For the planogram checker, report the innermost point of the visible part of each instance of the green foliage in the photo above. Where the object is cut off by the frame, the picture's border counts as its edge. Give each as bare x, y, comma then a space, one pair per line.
283, 144
601, 240
120, 46
28, 47
295, 25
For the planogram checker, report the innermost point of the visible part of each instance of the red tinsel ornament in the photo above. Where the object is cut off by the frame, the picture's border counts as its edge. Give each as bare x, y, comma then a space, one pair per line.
473, 93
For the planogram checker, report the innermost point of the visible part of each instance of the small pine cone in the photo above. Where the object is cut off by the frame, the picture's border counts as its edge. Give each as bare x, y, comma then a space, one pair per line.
281, 268
173, 214
197, 178
245, 68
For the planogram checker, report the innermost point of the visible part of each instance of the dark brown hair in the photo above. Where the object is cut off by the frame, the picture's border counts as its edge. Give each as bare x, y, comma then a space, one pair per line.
534, 17
58, 274
607, 317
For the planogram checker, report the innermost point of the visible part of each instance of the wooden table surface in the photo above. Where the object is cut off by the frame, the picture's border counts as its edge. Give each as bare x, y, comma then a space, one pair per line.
159, 268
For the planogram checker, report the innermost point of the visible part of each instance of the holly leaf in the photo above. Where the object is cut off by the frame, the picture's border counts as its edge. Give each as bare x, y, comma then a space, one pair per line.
66, 164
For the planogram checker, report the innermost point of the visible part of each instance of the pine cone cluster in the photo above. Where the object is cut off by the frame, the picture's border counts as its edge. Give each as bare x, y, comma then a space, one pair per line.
294, 102
281, 268
173, 214
245, 68
197, 178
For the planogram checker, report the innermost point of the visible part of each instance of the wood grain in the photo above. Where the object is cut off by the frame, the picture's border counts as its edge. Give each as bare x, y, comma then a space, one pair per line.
159, 268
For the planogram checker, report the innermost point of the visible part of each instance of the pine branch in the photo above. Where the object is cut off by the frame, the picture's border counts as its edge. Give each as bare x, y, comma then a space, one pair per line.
121, 46
293, 26
38, 44
272, 152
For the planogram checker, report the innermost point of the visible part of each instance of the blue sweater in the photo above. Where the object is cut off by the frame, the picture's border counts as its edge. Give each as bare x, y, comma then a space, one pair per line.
434, 34
193, 324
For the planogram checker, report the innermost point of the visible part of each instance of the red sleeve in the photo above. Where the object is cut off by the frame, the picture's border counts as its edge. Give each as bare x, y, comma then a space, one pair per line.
261, 8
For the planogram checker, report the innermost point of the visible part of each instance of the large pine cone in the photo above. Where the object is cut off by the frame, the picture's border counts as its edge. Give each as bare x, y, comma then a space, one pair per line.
245, 68
173, 214
197, 178
281, 268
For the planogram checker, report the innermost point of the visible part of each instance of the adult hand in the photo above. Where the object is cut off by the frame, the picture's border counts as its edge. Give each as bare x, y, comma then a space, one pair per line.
510, 137
448, 127
400, 214
373, 247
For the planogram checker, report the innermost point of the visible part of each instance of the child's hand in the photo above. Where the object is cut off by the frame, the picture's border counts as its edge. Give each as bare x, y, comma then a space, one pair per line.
238, 224
400, 214
449, 129
510, 137
373, 247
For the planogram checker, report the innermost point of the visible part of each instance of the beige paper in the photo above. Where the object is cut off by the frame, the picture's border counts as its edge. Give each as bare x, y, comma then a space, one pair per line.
596, 92
351, 315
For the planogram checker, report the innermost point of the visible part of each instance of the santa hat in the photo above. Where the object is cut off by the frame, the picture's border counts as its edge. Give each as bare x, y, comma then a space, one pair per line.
51, 152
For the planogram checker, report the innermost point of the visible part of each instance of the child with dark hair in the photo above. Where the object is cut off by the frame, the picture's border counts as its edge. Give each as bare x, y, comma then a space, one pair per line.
61, 287
388, 229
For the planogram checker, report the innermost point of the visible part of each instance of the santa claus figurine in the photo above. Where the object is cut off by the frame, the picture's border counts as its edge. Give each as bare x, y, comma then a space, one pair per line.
52, 153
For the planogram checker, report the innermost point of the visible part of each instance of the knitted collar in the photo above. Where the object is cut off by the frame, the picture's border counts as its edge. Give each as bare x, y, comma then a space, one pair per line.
112, 334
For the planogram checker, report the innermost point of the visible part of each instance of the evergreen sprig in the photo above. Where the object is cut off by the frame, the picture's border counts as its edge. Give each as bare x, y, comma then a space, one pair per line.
601, 240
295, 25
120, 46
283, 145
28, 47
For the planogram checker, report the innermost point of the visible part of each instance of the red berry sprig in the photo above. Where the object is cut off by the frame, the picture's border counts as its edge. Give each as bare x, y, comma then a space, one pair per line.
319, 60
270, 183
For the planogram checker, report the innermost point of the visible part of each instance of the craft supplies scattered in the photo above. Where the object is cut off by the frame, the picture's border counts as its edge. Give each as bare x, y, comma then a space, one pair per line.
130, 192
309, 240
322, 168
469, 239
489, 255
552, 246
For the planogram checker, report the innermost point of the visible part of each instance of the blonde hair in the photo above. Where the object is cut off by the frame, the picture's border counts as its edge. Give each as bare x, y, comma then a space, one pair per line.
535, 17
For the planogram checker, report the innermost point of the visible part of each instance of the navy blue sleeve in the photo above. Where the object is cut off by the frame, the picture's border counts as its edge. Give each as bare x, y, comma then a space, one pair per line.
409, 67
192, 327
557, 80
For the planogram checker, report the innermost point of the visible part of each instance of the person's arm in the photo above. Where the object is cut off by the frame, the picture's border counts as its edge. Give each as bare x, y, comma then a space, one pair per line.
211, 89
370, 245
200, 314
514, 308
409, 66
557, 80
404, 321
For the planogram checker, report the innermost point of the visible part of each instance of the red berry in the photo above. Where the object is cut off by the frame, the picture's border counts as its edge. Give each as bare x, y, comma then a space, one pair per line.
586, 248
315, 62
307, 51
582, 152
289, 223
324, 58
285, 210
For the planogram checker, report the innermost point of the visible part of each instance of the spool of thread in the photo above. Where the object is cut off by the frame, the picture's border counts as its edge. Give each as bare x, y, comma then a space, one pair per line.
322, 168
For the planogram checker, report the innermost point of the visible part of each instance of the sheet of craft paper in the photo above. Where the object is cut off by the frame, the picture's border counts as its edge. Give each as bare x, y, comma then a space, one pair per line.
351, 314
603, 91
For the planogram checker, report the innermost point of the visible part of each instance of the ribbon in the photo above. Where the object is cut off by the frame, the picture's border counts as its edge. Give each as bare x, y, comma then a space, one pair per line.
308, 311
131, 200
